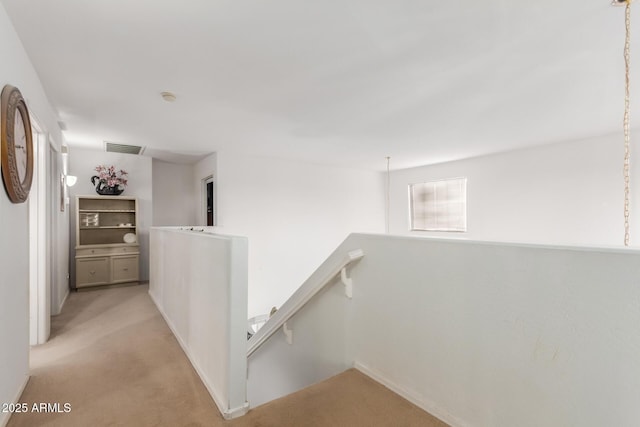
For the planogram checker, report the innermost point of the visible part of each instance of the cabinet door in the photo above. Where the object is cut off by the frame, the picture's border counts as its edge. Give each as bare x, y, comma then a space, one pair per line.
92, 271
124, 268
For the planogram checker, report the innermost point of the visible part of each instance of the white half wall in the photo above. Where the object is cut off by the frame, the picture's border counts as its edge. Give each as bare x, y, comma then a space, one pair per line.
564, 193
199, 283
174, 195
17, 70
489, 334
477, 333
82, 163
293, 214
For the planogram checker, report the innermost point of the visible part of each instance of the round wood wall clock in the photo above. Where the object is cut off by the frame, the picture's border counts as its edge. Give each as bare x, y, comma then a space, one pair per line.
16, 145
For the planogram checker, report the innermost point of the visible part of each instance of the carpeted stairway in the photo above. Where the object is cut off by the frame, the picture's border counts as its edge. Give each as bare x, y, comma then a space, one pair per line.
113, 359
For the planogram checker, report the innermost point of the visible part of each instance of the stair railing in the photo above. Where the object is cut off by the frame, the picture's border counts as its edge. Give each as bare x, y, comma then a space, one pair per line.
297, 301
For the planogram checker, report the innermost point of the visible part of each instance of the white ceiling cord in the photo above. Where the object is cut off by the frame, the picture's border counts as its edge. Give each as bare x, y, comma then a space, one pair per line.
627, 137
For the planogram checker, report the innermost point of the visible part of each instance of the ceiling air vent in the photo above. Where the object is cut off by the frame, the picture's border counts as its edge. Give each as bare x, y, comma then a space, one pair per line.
122, 148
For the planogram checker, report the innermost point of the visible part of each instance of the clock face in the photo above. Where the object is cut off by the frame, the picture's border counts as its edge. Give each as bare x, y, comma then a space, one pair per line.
16, 145
20, 146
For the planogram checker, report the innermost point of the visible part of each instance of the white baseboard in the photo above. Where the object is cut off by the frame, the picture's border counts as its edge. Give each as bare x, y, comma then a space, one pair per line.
4, 417
58, 308
64, 300
229, 413
412, 397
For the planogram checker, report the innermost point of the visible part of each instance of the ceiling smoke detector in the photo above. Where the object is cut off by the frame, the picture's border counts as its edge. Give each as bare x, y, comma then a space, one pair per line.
168, 96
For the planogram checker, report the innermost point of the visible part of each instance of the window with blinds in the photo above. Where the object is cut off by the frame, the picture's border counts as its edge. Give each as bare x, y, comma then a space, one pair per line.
439, 205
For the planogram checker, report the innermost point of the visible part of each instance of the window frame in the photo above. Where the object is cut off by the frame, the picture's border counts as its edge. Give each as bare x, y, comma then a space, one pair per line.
462, 229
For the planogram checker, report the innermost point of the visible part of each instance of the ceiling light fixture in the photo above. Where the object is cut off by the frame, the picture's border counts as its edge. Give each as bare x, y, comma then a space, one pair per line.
168, 96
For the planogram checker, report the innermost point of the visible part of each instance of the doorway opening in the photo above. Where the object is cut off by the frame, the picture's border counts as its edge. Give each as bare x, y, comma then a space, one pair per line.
209, 201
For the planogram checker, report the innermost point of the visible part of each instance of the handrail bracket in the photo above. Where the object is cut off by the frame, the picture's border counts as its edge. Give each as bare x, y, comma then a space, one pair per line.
347, 282
288, 333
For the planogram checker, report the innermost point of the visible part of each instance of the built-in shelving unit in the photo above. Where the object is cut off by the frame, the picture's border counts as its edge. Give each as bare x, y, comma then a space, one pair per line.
107, 251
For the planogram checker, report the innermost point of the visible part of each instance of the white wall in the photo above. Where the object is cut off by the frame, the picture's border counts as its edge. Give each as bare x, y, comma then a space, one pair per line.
565, 193
293, 213
14, 251
82, 163
479, 334
199, 283
502, 335
175, 199
14, 308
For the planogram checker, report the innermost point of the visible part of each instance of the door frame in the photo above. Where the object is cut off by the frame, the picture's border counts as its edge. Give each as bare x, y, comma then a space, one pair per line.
39, 236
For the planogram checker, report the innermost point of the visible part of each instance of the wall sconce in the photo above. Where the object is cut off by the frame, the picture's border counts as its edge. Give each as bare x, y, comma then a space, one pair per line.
70, 180
66, 181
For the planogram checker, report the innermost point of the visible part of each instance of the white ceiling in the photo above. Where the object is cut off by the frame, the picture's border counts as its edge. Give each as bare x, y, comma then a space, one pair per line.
343, 82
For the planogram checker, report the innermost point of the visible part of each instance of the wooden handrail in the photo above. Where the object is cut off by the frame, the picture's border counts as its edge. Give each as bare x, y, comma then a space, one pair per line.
297, 301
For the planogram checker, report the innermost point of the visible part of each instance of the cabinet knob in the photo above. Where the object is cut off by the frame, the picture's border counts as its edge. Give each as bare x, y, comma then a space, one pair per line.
92, 272
125, 269
93, 251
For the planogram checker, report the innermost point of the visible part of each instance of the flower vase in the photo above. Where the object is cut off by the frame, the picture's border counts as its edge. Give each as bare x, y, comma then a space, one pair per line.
103, 189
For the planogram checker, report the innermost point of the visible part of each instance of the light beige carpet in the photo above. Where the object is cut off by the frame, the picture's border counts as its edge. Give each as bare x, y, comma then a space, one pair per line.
349, 399
112, 357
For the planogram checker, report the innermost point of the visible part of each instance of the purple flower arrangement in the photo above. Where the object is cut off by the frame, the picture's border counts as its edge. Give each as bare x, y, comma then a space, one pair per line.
110, 178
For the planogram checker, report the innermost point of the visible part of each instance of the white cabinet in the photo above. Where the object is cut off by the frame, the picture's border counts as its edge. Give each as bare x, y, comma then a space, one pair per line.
107, 251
